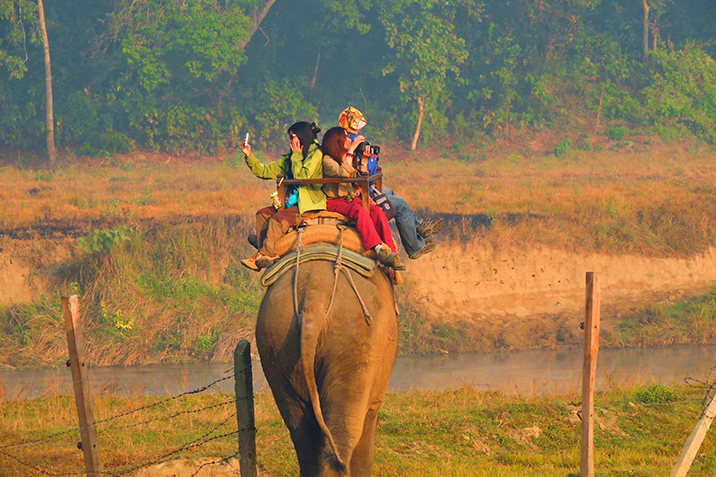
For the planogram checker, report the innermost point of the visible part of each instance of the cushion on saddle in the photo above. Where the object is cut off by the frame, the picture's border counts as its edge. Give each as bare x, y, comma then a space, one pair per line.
349, 259
318, 229
330, 234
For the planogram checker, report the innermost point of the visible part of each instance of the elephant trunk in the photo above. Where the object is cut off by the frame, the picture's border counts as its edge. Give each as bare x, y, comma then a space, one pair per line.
313, 318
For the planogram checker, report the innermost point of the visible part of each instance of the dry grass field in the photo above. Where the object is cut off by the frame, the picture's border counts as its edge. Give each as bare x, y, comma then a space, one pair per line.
151, 243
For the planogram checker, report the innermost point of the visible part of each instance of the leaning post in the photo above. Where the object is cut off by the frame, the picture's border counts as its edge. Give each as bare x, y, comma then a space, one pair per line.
243, 384
693, 443
589, 372
80, 381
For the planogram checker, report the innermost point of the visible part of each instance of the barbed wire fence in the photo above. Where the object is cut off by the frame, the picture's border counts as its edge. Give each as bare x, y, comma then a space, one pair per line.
87, 442
220, 431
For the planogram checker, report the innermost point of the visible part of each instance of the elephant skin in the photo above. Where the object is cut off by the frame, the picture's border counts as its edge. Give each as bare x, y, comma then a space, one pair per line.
329, 373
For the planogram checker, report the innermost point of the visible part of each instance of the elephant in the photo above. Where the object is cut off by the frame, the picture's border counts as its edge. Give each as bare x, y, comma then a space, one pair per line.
329, 372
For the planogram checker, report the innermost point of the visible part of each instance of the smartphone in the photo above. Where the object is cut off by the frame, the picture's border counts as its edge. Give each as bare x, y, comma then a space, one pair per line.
246, 140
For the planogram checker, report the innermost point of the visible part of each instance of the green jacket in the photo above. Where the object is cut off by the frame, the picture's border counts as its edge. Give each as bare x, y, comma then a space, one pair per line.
310, 197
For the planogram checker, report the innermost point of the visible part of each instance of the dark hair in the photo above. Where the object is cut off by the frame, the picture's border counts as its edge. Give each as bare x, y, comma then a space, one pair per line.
307, 134
334, 144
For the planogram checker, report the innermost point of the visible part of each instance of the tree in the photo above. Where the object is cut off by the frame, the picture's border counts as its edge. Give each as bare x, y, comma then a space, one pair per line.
13, 51
426, 49
648, 26
176, 62
49, 115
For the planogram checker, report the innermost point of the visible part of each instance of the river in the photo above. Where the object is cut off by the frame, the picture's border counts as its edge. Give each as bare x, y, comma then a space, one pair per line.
535, 372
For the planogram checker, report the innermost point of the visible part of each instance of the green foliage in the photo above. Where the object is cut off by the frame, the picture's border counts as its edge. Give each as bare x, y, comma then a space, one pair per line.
21, 20
426, 50
562, 148
656, 394
616, 133
584, 143
280, 105
181, 75
682, 92
104, 241
45, 176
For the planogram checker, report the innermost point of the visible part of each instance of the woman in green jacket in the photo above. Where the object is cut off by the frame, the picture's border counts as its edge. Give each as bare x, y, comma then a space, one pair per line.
303, 162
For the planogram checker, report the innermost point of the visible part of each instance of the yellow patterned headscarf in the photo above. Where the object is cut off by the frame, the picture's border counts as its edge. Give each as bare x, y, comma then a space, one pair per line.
351, 118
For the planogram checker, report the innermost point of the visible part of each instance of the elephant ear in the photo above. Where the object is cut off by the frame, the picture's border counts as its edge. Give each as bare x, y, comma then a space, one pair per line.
312, 317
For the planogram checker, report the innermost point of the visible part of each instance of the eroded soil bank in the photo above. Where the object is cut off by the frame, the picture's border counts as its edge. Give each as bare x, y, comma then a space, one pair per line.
470, 296
520, 298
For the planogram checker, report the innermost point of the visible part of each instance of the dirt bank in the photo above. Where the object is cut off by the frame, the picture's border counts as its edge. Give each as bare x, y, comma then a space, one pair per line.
464, 281
476, 280
513, 298
462, 297
27, 267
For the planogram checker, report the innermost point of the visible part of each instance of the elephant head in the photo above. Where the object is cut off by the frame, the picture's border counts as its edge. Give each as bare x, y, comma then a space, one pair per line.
329, 369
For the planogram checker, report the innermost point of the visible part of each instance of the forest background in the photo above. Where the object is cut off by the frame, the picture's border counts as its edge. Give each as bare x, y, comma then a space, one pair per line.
195, 75
549, 131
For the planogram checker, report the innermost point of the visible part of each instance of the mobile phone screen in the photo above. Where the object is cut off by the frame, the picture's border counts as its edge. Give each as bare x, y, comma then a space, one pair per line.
246, 139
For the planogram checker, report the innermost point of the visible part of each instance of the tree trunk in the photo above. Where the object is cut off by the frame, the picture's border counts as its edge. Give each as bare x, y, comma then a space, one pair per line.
256, 19
655, 36
421, 110
599, 110
315, 75
645, 49
49, 114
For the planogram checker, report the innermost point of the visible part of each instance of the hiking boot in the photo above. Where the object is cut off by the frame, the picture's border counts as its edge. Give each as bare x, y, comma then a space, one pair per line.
264, 262
250, 263
429, 247
426, 228
389, 258
253, 240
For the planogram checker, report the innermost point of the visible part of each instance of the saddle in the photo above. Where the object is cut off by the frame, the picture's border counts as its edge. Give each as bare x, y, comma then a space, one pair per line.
320, 228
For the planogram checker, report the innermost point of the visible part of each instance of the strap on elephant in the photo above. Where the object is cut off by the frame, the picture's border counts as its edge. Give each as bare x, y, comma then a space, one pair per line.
347, 273
345, 260
299, 247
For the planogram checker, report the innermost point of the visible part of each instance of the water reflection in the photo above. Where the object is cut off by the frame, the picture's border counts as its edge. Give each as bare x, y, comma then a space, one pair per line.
535, 372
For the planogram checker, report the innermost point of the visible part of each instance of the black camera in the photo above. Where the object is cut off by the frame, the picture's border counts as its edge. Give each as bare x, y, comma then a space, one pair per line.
360, 150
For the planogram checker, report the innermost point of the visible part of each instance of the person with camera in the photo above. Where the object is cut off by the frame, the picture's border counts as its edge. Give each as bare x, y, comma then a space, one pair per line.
304, 161
413, 230
373, 227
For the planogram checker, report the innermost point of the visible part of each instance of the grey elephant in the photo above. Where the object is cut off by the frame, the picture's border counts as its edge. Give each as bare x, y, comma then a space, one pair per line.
329, 372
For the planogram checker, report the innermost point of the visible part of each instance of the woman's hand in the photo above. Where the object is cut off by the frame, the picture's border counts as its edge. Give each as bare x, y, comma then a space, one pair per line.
246, 149
296, 144
356, 142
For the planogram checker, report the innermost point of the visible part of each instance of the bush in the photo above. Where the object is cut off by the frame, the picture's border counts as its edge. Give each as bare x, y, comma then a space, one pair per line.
616, 133
682, 92
103, 241
656, 394
562, 148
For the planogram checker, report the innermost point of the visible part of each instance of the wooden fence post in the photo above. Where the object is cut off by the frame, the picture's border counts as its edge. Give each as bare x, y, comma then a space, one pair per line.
244, 386
589, 372
693, 443
78, 365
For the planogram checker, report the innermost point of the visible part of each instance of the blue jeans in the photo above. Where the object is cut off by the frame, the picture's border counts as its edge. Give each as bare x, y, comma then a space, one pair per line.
406, 221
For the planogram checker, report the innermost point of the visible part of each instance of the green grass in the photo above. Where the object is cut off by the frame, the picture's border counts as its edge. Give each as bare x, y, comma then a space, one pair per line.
672, 321
168, 294
460, 432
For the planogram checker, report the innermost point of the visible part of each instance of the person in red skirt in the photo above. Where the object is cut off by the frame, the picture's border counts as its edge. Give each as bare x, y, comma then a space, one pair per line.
345, 199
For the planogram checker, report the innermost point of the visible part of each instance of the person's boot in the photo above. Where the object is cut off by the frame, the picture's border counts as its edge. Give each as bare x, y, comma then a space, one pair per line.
389, 258
250, 263
264, 261
426, 228
429, 247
